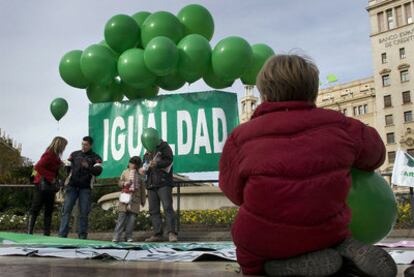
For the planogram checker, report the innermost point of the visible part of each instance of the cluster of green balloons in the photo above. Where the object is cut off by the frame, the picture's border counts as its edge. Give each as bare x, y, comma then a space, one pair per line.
144, 52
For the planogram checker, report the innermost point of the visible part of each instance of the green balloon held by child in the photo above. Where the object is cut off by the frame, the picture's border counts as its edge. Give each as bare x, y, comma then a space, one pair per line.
373, 205
59, 108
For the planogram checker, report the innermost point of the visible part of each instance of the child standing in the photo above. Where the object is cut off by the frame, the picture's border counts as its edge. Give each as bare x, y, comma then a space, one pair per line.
132, 196
288, 169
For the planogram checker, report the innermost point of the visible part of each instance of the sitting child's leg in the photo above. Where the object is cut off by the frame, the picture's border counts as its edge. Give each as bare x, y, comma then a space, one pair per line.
320, 263
249, 263
369, 259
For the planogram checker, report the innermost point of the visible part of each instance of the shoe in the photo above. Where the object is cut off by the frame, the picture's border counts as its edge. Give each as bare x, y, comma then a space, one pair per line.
409, 272
154, 239
321, 263
115, 240
130, 240
369, 259
172, 237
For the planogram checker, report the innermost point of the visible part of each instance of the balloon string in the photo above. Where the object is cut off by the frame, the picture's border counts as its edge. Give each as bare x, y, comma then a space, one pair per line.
58, 126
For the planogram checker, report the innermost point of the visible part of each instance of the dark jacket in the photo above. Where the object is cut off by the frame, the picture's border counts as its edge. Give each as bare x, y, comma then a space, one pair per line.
80, 176
289, 171
47, 167
162, 174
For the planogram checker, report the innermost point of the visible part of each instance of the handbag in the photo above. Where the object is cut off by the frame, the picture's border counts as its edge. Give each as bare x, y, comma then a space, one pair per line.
46, 186
124, 198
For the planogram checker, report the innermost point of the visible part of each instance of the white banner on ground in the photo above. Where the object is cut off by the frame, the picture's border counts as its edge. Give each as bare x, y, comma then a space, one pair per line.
403, 171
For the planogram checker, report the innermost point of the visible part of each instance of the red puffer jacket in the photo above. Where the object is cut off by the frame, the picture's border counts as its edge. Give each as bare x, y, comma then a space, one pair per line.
47, 166
289, 171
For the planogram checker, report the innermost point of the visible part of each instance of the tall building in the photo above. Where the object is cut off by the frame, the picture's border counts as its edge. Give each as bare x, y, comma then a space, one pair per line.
392, 42
248, 103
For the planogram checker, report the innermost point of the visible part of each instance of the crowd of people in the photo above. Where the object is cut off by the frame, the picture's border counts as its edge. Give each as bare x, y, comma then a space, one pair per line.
152, 176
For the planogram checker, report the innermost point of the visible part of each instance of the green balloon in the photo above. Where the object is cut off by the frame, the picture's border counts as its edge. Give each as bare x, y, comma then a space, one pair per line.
98, 64
161, 24
150, 139
136, 93
140, 17
231, 57
373, 205
70, 70
170, 82
161, 56
105, 93
122, 32
261, 53
103, 42
197, 20
59, 108
132, 69
331, 78
216, 82
194, 57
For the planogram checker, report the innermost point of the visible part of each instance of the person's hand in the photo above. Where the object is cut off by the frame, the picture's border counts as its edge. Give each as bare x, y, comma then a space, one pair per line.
153, 163
141, 171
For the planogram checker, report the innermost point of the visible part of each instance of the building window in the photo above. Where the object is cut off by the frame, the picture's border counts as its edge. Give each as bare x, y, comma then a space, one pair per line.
406, 97
404, 76
386, 80
402, 53
387, 101
384, 58
355, 111
399, 16
390, 19
390, 138
391, 157
408, 116
408, 13
380, 17
360, 110
365, 109
344, 111
389, 120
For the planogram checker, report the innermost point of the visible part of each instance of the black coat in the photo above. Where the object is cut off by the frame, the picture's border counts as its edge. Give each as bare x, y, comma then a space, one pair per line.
162, 174
81, 176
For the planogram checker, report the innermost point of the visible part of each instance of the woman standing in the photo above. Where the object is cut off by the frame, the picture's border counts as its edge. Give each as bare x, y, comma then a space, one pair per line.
46, 173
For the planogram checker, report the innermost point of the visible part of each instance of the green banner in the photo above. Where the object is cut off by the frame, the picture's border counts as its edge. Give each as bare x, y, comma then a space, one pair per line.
196, 125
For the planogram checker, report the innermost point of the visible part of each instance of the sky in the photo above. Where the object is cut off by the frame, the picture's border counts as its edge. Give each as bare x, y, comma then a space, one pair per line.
35, 35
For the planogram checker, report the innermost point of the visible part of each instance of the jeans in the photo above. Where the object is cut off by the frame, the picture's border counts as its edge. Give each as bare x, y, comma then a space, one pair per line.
163, 195
71, 195
126, 221
40, 199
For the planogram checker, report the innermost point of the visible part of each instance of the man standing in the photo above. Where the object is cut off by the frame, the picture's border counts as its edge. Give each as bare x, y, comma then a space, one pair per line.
85, 165
159, 182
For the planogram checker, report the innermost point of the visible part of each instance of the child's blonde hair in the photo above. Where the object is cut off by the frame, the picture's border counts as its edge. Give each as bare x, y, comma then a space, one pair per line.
288, 78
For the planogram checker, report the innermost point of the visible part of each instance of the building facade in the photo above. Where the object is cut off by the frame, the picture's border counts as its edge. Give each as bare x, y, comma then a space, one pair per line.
392, 43
248, 104
355, 99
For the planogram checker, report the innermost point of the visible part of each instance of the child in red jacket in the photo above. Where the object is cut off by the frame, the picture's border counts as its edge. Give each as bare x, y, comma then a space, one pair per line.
288, 169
